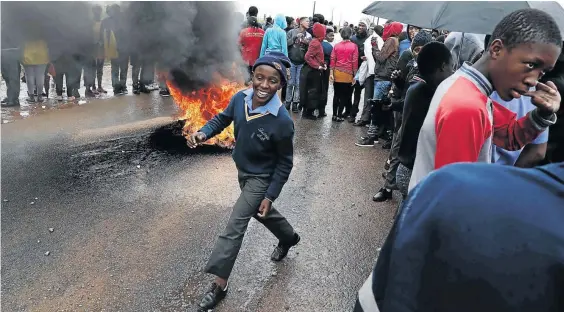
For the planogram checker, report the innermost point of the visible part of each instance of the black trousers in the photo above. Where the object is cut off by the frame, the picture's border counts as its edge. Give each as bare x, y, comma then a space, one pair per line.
142, 70
311, 81
11, 73
119, 71
341, 97
93, 71
67, 68
324, 91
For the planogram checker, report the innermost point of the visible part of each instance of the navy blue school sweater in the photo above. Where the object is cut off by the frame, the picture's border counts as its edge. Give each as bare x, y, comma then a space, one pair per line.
264, 142
474, 237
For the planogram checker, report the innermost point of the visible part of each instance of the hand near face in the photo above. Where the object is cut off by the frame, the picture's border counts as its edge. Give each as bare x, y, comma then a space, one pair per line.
546, 98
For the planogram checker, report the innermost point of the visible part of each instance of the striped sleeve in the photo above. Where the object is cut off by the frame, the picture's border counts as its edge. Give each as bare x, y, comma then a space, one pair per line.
512, 134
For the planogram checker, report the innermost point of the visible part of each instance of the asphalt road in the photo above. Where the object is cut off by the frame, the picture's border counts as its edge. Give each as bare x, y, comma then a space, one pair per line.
134, 223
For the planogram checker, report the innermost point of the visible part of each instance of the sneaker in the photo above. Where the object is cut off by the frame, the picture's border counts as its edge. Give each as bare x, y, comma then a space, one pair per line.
101, 90
31, 99
11, 104
366, 141
352, 119
136, 90
387, 145
89, 93
213, 297
360, 123
59, 98
382, 195
281, 251
4, 101
124, 90
164, 93
144, 89
40, 99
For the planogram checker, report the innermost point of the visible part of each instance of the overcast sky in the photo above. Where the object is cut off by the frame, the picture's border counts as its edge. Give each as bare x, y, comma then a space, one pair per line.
342, 10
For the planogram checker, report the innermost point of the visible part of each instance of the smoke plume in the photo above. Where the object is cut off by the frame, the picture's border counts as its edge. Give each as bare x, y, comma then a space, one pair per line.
192, 41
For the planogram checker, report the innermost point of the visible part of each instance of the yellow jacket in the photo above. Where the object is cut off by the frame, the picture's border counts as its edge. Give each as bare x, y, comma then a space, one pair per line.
35, 53
110, 45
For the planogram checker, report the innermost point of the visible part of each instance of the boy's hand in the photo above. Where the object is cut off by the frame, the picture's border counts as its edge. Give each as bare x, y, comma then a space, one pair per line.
546, 98
196, 139
264, 208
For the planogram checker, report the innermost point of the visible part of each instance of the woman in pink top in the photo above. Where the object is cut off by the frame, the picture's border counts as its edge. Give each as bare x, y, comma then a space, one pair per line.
344, 64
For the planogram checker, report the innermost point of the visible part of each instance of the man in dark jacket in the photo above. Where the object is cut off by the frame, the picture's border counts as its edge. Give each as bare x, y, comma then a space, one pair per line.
11, 57
359, 38
406, 64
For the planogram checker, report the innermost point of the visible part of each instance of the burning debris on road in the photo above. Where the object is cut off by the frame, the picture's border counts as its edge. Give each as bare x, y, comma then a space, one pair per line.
198, 107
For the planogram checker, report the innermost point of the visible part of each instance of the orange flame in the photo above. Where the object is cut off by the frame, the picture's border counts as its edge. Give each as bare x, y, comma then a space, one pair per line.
198, 107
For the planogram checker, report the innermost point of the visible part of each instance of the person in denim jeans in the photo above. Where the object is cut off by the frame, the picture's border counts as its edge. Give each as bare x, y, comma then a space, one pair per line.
298, 39
386, 60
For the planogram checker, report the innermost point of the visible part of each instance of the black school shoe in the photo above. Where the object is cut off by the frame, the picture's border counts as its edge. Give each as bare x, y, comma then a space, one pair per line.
213, 297
281, 251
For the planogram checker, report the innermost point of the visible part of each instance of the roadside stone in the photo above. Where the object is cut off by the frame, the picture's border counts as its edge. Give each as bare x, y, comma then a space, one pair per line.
47, 253
51, 230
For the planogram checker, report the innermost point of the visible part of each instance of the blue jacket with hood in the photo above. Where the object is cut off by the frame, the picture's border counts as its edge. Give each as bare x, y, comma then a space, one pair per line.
275, 37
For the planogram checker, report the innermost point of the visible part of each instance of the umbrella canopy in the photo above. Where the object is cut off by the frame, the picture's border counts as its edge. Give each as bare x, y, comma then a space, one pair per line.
479, 17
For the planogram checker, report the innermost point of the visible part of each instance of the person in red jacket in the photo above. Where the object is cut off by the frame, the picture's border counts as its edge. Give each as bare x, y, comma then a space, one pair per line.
311, 75
250, 42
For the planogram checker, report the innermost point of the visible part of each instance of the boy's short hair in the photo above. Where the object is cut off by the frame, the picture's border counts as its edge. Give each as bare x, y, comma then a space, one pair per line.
379, 30
302, 19
346, 33
527, 26
432, 56
253, 11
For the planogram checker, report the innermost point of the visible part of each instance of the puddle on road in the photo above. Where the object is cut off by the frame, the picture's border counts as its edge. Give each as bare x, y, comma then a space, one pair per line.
124, 156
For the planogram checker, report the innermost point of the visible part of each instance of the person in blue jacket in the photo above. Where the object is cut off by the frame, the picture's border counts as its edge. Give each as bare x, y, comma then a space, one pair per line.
275, 37
263, 155
474, 237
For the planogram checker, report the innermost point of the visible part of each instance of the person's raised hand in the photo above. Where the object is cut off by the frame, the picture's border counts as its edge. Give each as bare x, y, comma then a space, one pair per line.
546, 98
195, 139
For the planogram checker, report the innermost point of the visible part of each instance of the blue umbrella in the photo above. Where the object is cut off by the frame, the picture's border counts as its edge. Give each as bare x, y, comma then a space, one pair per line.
478, 17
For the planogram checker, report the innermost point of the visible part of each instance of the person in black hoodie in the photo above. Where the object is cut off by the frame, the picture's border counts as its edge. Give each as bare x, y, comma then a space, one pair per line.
435, 64
359, 38
406, 69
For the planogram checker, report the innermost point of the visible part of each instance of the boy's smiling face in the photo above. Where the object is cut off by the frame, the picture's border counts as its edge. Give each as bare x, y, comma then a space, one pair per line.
514, 71
266, 81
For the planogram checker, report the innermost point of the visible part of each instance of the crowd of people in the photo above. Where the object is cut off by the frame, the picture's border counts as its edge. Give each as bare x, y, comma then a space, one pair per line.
432, 98
42, 60
436, 99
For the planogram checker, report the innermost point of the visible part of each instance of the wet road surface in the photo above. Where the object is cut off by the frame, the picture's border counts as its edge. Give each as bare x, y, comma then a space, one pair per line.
134, 221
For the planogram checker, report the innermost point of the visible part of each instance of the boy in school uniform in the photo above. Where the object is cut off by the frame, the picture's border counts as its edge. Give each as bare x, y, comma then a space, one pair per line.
263, 155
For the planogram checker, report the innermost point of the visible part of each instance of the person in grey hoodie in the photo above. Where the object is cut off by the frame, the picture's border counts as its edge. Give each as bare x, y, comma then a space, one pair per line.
464, 47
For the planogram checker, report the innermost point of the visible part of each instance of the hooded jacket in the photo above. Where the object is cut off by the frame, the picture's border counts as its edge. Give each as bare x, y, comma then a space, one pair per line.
467, 49
386, 59
314, 56
275, 37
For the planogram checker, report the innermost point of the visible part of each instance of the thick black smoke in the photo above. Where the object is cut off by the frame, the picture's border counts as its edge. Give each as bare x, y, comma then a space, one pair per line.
65, 26
193, 40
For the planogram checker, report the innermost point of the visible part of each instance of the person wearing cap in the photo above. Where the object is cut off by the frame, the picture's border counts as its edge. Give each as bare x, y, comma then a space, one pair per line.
263, 155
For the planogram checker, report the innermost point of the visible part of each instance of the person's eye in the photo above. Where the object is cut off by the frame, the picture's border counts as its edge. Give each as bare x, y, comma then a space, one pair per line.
531, 65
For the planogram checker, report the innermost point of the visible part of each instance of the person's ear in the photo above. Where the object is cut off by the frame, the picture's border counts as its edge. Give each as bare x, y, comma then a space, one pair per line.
496, 49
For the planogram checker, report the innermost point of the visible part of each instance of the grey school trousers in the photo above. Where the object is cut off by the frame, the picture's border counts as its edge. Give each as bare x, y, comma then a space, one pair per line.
253, 188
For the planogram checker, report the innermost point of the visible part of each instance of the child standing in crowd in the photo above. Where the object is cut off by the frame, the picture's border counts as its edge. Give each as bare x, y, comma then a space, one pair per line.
298, 41
463, 123
250, 42
311, 81
344, 64
263, 154
386, 61
434, 64
35, 60
275, 37
327, 45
